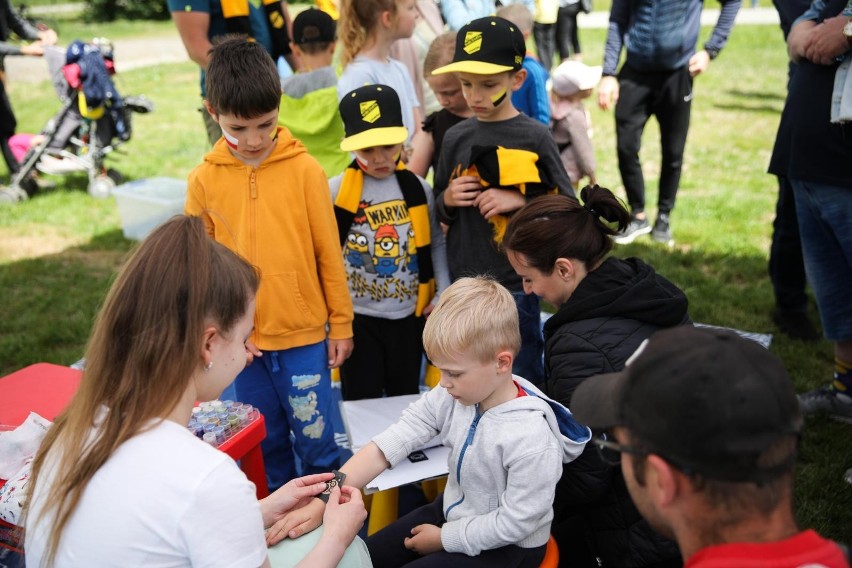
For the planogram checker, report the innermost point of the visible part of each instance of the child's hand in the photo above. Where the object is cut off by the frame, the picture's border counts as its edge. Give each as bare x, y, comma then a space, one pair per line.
425, 539
296, 523
339, 351
251, 352
462, 191
498, 201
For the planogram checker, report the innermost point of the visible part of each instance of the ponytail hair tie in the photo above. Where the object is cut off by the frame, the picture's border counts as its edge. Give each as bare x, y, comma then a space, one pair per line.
591, 210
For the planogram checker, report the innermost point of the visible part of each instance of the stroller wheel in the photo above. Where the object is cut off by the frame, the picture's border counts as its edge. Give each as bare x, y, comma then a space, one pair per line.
101, 187
115, 176
30, 185
12, 195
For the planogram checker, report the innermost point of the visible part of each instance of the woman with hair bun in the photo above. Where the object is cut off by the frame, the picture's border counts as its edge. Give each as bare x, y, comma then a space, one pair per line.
606, 307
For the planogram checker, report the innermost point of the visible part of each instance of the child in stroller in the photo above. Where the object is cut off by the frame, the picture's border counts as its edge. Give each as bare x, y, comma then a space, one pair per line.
94, 120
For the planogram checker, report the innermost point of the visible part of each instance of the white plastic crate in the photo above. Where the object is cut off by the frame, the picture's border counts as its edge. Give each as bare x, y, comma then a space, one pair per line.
143, 204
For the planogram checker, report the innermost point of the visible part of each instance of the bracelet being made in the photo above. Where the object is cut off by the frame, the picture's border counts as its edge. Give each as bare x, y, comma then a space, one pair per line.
336, 481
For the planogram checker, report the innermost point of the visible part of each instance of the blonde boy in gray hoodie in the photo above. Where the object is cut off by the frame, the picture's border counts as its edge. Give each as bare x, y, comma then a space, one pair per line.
507, 443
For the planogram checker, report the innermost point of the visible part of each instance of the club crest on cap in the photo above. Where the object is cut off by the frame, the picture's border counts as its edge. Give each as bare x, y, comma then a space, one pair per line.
472, 42
372, 116
370, 111
487, 46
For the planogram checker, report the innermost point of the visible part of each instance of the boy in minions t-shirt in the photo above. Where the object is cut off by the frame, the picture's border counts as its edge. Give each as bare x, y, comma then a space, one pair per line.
491, 165
393, 248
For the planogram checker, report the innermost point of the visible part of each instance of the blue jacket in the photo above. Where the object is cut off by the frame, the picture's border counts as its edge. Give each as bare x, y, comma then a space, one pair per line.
660, 35
531, 99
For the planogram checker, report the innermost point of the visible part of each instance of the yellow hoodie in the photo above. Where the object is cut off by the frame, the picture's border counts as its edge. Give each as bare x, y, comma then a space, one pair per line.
279, 217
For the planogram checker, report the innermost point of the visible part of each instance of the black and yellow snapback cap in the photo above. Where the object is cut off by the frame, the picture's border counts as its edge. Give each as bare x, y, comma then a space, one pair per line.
372, 116
487, 46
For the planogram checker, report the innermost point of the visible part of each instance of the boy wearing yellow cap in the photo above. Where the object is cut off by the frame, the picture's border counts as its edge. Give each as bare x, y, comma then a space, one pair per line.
488, 61
393, 249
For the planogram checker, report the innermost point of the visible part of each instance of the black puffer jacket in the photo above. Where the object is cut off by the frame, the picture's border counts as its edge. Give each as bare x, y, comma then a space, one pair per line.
614, 309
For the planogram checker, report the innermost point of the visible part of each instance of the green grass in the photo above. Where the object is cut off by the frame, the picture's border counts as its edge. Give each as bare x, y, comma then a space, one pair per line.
69, 27
59, 250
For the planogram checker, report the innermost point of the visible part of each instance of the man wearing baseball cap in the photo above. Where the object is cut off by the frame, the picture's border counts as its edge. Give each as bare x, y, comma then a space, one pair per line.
488, 62
706, 426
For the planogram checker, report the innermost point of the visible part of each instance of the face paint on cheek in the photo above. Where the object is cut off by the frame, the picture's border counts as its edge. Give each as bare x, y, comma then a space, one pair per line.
397, 156
362, 162
231, 140
498, 98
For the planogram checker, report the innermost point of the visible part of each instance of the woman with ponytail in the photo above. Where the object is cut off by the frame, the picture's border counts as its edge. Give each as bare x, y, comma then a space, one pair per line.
606, 307
119, 480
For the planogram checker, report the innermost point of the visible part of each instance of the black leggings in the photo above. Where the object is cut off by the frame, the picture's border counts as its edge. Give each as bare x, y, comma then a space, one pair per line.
387, 548
668, 96
567, 34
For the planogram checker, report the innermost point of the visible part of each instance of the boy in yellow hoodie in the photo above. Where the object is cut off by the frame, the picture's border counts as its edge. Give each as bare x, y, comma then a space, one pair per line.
261, 194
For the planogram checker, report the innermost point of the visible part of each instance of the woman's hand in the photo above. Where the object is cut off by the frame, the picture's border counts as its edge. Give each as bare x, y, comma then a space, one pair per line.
344, 515
297, 522
293, 495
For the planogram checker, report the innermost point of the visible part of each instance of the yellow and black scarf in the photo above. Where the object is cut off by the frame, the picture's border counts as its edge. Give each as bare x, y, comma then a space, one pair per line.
346, 206
508, 168
236, 13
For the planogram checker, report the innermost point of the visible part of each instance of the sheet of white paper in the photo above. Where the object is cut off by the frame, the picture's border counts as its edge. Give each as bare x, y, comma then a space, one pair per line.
364, 419
407, 472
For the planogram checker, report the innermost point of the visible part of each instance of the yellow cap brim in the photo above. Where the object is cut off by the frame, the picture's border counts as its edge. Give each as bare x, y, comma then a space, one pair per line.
375, 137
475, 67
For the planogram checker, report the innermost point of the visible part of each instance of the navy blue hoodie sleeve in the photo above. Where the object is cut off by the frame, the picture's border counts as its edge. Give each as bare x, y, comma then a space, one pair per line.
724, 25
619, 18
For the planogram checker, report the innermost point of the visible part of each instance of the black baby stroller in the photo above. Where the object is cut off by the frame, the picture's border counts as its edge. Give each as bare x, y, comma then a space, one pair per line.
94, 120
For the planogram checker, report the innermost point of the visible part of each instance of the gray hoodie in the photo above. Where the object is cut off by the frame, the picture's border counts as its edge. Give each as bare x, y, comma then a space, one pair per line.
503, 464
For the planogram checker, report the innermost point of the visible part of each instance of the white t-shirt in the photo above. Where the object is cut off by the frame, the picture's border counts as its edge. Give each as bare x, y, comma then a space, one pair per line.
163, 499
363, 71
